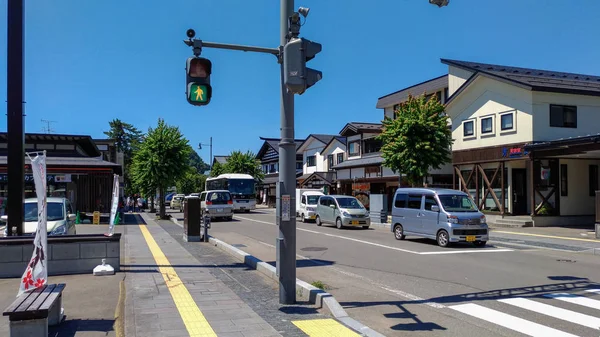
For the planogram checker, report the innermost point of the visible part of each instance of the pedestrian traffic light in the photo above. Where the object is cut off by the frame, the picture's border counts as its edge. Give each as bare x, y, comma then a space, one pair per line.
198, 89
297, 77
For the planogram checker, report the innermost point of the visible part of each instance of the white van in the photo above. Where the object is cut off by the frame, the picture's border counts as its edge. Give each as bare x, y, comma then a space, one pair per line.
307, 208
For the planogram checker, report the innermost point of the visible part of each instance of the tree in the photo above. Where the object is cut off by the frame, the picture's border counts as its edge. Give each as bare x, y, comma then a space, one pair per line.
417, 139
217, 169
197, 162
191, 182
127, 138
162, 159
246, 163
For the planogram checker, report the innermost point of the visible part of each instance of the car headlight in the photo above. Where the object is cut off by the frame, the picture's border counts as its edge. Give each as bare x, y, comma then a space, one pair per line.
344, 213
5, 230
59, 230
452, 219
483, 219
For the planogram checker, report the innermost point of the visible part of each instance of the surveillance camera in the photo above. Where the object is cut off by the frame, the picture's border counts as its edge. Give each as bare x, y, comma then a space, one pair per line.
304, 11
191, 33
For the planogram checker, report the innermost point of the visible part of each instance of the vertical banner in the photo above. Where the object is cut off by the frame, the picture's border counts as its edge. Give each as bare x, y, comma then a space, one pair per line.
114, 208
36, 273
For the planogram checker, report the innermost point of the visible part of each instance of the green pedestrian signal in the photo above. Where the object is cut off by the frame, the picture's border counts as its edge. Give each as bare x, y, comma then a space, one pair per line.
198, 89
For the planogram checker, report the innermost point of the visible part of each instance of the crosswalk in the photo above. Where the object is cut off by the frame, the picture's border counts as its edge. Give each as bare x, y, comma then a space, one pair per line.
548, 315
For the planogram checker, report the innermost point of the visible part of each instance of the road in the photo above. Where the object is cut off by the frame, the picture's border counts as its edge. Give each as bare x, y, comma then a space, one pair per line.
515, 285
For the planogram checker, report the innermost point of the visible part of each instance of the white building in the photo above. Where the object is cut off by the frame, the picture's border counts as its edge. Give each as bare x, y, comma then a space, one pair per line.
319, 154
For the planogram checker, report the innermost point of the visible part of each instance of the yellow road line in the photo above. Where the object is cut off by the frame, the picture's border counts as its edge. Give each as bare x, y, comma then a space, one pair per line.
194, 320
324, 328
547, 236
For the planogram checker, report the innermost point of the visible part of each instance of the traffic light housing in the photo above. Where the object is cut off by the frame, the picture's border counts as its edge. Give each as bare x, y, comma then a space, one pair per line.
198, 89
297, 77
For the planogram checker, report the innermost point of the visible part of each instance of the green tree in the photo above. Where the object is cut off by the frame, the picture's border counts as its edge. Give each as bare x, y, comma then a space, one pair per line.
217, 169
127, 139
245, 163
191, 182
197, 162
162, 159
417, 139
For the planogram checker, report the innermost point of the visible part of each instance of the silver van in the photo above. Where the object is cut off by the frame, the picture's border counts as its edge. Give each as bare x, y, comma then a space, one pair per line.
217, 204
342, 210
446, 216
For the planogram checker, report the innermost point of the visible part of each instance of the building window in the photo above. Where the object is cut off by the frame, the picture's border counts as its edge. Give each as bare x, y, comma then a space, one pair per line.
329, 161
593, 179
468, 128
487, 125
564, 181
507, 121
311, 161
445, 94
272, 168
563, 116
299, 165
372, 145
354, 148
340, 158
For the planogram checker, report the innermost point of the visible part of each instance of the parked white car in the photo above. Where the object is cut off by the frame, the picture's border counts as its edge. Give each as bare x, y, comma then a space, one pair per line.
307, 209
60, 217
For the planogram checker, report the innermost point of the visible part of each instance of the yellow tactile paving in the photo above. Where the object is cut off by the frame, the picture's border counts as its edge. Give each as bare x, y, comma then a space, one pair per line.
194, 320
324, 328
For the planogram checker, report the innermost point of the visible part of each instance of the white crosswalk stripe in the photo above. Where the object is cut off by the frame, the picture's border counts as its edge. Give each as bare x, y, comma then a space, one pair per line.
569, 322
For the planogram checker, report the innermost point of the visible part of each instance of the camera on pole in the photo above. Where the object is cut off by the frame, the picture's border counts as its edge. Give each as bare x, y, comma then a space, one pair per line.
198, 89
297, 77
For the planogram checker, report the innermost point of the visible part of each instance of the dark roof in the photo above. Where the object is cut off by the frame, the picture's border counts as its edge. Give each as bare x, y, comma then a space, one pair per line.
325, 139
338, 138
274, 143
354, 128
328, 177
220, 159
532, 79
70, 161
85, 142
359, 162
564, 142
428, 86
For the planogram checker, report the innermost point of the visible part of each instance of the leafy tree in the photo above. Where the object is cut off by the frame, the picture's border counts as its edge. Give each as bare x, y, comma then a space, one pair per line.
191, 182
417, 139
162, 159
217, 169
246, 163
127, 138
197, 162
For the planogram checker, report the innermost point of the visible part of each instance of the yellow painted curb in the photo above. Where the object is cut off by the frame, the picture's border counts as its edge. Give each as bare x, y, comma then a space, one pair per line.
324, 328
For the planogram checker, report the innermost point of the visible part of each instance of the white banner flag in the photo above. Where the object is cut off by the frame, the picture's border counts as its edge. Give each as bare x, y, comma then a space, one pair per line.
36, 273
114, 207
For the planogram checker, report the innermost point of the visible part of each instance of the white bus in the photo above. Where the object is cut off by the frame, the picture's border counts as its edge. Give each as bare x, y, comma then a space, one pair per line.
241, 187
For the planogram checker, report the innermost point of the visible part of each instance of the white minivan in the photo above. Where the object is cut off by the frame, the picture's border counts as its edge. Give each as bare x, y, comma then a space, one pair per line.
307, 209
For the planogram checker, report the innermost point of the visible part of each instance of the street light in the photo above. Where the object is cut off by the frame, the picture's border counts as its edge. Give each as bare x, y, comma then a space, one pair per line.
439, 3
200, 148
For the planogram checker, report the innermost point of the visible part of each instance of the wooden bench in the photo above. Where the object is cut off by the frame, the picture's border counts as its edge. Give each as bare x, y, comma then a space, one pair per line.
31, 313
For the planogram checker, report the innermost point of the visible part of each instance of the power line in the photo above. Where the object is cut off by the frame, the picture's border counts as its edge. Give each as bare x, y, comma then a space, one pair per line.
47, 128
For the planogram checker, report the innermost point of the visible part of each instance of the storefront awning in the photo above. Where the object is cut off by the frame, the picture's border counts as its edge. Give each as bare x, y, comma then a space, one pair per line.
73, 162
368, 161
574, 147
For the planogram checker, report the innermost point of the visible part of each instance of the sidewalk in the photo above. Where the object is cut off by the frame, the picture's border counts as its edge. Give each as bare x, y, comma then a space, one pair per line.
176, 288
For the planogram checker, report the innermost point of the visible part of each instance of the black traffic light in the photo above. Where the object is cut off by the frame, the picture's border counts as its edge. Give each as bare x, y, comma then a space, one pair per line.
198, 89
297, 77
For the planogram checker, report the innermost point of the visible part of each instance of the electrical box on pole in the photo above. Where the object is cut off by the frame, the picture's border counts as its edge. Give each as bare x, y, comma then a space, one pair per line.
297, 77
198, 89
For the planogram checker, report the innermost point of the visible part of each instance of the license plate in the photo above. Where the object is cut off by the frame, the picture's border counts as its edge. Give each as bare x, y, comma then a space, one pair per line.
312, 217
470, 238
219, 210
242, 207
355, 222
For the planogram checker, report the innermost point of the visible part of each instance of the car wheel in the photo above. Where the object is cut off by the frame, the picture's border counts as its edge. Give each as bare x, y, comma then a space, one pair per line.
365, 227
443, 239
302, 218
338, 223
230, 218
247, 211
480, 243
318, 221
399, 232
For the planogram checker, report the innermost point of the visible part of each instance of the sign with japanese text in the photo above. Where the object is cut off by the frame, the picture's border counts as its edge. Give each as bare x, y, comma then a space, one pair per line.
514, 152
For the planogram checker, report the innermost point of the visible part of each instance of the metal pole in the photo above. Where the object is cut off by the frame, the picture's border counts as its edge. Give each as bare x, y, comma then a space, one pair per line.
16, 136
286, 252
211, 157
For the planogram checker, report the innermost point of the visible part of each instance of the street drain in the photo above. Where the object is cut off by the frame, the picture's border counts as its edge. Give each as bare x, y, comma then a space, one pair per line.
565, 260
313, 249
239, 245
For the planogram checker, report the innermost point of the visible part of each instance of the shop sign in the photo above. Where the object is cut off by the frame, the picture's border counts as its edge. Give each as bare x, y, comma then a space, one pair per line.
51, 178
63, 178
514, 152
545, 173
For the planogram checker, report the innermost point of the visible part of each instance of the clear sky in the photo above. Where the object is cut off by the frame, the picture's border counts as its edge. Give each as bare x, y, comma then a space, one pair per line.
88, 62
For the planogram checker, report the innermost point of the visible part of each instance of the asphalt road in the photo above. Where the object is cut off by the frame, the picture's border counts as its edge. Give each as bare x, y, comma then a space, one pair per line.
515, 285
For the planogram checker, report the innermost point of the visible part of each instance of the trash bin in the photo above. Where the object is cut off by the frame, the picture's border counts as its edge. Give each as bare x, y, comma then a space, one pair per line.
191, 219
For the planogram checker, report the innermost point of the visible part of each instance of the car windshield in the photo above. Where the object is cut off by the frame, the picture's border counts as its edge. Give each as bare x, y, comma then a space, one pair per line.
349, 203
312, 199
55, 211
241, 186
457, 203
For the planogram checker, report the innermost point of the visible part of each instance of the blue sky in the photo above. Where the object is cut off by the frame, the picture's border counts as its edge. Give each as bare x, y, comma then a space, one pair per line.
88, 62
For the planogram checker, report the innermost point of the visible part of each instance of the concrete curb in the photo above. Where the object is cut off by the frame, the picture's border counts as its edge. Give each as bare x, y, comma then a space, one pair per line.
316, 296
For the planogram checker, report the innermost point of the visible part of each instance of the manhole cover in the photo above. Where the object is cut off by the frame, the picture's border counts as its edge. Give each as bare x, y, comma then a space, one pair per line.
313, 249
239, 245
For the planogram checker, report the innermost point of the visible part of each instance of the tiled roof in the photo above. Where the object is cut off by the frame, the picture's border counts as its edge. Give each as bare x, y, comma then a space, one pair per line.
532, 79
221, 159
429, 86
325, 139
274, 142
353, 128
359, 162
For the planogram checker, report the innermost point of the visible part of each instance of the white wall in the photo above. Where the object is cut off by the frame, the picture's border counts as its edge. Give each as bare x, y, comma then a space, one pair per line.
313, 148
578, 201
388, 112
588, 115
456, 78
343, 174
334, 148
488, 97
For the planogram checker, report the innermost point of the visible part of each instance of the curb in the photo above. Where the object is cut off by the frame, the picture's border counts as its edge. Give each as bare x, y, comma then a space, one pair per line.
316, 296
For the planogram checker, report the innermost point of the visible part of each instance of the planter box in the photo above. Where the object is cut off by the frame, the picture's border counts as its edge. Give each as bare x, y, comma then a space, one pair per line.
68, 254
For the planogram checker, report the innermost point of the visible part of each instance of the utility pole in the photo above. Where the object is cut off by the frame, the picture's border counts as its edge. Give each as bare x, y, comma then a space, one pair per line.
14, 107
211, 152
48, 128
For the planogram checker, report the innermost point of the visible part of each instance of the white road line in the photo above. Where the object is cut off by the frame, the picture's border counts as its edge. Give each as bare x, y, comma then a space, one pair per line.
390, 247
511, 322
552, 311
575, 299
596, 291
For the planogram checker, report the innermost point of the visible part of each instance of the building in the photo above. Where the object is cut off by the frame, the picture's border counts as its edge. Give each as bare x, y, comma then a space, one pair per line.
319, 154
75, 170
269, 159
109, 152
220, 159
526, 141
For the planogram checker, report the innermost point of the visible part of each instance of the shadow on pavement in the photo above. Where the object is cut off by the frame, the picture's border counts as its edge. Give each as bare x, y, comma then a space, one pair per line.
308, 263
70, 328
135, 268
298, 310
